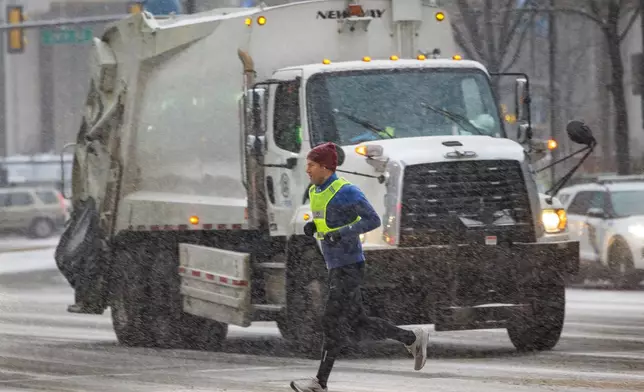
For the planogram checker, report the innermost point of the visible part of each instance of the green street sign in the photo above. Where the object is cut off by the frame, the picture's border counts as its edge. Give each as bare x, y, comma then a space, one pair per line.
64, 36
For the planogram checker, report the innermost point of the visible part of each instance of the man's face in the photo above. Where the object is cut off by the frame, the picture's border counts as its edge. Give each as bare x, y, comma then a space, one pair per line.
317, 173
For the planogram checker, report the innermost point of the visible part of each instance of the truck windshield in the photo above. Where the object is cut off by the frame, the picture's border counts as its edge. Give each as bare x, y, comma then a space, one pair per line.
402, 103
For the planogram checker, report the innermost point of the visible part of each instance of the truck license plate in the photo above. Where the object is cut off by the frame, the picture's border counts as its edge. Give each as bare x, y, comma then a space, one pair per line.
490, 240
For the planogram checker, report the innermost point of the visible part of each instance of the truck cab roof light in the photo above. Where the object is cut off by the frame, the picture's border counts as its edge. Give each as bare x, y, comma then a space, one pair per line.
261, 20
440, 16
326, 61
393, 58
366, 59
421, 57
248, 21
457, 57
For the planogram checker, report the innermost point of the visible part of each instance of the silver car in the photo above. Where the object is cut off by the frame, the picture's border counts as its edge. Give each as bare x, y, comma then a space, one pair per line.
39, 212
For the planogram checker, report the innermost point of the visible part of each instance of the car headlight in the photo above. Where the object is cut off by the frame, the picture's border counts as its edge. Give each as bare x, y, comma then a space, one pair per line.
362, 238
554, 220
637, 230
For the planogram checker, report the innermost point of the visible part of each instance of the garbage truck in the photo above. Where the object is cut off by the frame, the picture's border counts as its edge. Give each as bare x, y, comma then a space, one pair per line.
190, 193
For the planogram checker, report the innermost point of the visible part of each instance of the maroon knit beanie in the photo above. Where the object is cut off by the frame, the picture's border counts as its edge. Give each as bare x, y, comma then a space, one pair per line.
326, 155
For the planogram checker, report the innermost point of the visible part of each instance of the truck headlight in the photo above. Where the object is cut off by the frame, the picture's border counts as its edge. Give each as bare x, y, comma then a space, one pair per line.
554, 220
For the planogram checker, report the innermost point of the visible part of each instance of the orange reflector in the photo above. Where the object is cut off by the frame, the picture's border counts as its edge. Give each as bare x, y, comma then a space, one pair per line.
326, 61
248, 21
393, 57
362, 150
440, 16
421, 57
457, 57
194, 220
261, 20
552, 144
563, 219
307, 217
366, 59
355, 10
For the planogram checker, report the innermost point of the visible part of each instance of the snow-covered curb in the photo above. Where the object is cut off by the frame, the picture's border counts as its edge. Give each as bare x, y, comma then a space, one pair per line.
21, 244
35, 260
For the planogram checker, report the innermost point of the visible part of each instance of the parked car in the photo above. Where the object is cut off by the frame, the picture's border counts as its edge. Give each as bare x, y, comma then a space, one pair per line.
39, 212
606, 216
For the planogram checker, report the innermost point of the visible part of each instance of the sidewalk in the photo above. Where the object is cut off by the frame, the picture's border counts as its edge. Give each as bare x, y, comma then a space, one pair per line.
10, 244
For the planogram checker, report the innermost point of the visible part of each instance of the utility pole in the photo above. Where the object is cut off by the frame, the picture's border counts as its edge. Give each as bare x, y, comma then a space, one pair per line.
552, 72
641, 78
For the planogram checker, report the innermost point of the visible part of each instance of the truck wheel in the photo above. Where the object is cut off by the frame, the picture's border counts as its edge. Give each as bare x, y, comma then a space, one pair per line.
306, 297
173, 328
542, 329
129, 300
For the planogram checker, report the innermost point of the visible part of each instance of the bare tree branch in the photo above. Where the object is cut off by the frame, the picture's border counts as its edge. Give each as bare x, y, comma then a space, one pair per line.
460, 40
620, 4
594, 8
472, 26
631, 21
519, 45
505, 24
576, 11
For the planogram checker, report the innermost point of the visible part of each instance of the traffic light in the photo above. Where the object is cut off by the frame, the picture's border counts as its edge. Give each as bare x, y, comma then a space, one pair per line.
15, 35
135, 7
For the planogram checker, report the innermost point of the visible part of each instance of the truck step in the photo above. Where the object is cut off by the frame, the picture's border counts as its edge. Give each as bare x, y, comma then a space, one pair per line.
267, 312
268, 308
478, 317
271, 265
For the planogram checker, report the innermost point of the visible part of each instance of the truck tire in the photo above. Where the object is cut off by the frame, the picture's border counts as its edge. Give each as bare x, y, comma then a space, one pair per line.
305, 298
173, 328
621, 266
129, 299
541, 330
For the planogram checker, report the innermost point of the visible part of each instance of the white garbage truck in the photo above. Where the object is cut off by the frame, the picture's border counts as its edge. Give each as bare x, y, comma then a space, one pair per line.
190, 193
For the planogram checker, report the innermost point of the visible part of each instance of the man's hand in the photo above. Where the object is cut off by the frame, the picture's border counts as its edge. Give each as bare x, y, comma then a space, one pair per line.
310, 229
333, 237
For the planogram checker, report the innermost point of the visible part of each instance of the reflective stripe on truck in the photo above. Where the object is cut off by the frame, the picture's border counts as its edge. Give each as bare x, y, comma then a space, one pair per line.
209, 276
205, 226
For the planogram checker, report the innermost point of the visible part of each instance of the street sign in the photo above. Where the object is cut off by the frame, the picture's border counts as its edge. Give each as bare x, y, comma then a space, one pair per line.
66, 36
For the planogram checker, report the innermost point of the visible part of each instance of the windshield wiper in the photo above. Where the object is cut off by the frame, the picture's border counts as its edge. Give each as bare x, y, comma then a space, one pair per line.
458, 119
377, 130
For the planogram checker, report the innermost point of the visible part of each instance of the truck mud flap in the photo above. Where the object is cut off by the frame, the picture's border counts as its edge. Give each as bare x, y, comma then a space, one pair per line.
215, 284
78, 257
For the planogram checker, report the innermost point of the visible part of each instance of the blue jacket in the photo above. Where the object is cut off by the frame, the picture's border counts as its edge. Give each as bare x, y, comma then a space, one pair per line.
347, 204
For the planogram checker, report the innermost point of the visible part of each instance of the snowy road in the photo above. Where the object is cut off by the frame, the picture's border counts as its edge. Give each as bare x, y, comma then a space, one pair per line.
46, 349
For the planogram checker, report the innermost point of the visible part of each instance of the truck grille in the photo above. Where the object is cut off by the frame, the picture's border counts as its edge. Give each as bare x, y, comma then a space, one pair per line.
462, 202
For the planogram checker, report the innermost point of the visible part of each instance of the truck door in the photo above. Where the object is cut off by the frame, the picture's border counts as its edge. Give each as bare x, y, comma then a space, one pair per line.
284, 171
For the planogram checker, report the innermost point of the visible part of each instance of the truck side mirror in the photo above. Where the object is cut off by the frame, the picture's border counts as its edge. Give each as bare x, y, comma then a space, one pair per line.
596, 213
255, 103
524, 133
579, 133
522, 100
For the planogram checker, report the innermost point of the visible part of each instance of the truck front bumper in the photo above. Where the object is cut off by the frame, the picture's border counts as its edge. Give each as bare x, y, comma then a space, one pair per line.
417, 285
